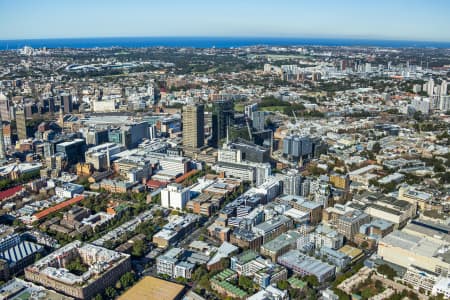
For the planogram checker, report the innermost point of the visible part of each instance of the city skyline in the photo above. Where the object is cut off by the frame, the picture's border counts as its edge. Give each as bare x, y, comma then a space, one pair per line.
403, 20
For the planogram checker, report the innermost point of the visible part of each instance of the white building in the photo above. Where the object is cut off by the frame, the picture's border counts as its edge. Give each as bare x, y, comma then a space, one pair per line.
421, 104
104, 106
68, 190
442, 287
175, 196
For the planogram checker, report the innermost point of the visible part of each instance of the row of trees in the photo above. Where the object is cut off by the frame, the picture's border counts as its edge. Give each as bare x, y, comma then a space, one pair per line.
126, 281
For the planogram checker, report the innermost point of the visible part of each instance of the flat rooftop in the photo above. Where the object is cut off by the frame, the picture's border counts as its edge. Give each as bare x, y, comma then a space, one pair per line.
419, 245
151, 288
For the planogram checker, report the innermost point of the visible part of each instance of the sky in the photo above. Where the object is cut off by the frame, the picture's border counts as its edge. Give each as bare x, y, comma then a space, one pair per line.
415, 20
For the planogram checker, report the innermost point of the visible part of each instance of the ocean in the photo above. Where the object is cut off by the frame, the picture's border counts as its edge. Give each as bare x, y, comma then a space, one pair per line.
208, 42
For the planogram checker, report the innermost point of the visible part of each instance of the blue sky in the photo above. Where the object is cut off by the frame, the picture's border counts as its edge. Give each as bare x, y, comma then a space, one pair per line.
419, 20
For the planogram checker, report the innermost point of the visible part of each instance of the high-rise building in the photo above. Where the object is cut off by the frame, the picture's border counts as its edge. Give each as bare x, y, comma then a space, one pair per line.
66, 103
444, 103
2, 141
258, 120
193, 126
249, 109
21, 124
443, 88
429, 87
74, 150
421, 104
4, 108
130, 135
222, 116
152, 132
292, 183
295, 147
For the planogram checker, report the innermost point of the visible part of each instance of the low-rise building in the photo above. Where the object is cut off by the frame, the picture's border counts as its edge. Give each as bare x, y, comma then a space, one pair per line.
176, 229
302, 264
103, 268
349, 223
404, 249
392, 210
15, 254
325, 236
280, 245
314, 209
273, 227
69, 190
246, 239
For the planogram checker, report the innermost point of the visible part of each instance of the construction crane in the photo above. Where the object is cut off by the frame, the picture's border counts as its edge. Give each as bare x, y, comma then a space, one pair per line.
295, 117
249, 129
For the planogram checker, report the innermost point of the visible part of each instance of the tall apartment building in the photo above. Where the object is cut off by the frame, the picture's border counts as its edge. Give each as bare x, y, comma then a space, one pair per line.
292, 182
193, 126
21, 124
5, 108
258, 120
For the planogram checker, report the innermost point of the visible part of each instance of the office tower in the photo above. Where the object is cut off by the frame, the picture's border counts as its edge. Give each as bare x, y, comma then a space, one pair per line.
130, 135
4, 108
96, 137
222, 117
259, 120
193, 126
21, 124
2, 141
74, 150
296, 147
66, 102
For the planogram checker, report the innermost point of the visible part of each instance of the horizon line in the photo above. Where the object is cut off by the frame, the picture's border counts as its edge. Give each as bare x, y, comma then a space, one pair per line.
381, 39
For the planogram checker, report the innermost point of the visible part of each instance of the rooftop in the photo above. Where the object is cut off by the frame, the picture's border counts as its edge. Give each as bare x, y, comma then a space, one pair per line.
281, 241
419, 245
151, 288
302, 261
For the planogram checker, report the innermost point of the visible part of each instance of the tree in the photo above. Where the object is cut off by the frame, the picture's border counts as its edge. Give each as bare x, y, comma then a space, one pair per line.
204, 282
283, 284
245, 282
199, 273
138, 249
127, 279
366, 293
110, 292
439, 168
98, 297
387, 271
311, 280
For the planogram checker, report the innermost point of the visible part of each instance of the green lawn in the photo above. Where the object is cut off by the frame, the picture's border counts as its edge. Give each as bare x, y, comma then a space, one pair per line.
273, 108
